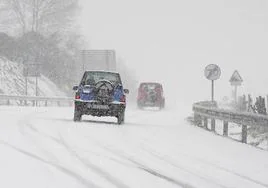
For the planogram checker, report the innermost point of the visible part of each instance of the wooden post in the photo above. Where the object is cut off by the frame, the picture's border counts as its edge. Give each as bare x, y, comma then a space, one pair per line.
225, 128
244, 134
206, 123
213, 125
267, 103
212, 90
235, 94
197, 120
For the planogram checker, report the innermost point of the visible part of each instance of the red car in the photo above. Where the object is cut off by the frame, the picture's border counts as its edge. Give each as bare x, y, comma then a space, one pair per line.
150, 94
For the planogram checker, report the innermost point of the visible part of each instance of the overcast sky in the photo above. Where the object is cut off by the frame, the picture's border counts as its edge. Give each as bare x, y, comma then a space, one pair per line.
173, 40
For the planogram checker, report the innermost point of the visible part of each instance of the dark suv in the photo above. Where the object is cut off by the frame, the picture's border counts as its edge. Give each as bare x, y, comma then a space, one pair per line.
150, 94
100, 93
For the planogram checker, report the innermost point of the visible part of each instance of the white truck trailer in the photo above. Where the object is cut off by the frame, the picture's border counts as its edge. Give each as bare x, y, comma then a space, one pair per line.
98, 60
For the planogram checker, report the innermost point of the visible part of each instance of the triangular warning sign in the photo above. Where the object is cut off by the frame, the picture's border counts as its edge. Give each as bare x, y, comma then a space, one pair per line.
236, 78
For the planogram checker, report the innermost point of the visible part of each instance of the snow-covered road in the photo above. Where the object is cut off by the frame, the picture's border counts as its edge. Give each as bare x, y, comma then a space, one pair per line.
44, 148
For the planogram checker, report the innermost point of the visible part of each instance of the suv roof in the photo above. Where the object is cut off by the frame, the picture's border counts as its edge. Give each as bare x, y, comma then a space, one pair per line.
156, 83
102, 71
100, 75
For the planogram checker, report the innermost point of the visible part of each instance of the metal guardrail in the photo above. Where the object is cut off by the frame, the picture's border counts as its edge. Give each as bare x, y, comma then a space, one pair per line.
35, 99
207, 110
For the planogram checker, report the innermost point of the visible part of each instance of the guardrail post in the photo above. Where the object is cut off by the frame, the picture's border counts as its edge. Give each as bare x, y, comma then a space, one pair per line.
244, 134
225, 128
213, 125
206, 123
36, 100
197, 120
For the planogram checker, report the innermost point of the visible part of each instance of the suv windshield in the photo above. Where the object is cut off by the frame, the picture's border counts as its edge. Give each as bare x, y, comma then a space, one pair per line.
150, 86
92, 77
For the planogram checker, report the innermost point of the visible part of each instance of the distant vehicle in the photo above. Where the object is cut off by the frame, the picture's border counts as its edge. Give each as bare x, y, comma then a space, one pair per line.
150, 94
100, 93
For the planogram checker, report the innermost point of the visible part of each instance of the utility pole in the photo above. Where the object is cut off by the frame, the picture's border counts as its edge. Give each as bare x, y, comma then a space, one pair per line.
37, 73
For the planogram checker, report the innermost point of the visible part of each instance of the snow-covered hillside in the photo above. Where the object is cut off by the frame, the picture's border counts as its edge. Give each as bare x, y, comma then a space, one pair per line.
13, 82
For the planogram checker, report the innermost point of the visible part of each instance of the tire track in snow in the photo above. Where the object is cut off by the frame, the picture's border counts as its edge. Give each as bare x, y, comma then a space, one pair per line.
145, 168
118, 153
64, 170
185, 170
152, 172
86, 163
93, 167
213, 165
202, 161
210, 164
159, 175
244, 177
229, 171
25, 123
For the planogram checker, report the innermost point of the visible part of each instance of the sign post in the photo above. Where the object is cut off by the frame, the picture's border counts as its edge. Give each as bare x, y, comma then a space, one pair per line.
212, 72
31, 69
236, 80
212, 90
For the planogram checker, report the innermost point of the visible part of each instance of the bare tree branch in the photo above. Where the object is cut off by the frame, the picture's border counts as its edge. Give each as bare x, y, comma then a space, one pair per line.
41, 15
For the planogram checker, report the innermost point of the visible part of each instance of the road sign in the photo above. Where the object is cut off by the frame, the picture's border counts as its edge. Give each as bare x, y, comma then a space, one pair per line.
31, 70
212, 72
236, 79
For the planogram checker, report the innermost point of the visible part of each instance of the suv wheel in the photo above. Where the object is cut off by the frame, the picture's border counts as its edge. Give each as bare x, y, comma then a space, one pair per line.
140, 106
121, 118
77, 115
162, 104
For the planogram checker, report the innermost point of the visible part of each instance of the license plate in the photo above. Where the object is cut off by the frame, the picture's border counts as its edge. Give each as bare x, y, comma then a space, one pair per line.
98, 106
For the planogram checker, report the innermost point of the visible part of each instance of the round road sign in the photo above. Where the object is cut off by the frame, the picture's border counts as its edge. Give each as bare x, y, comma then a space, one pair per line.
212, 72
